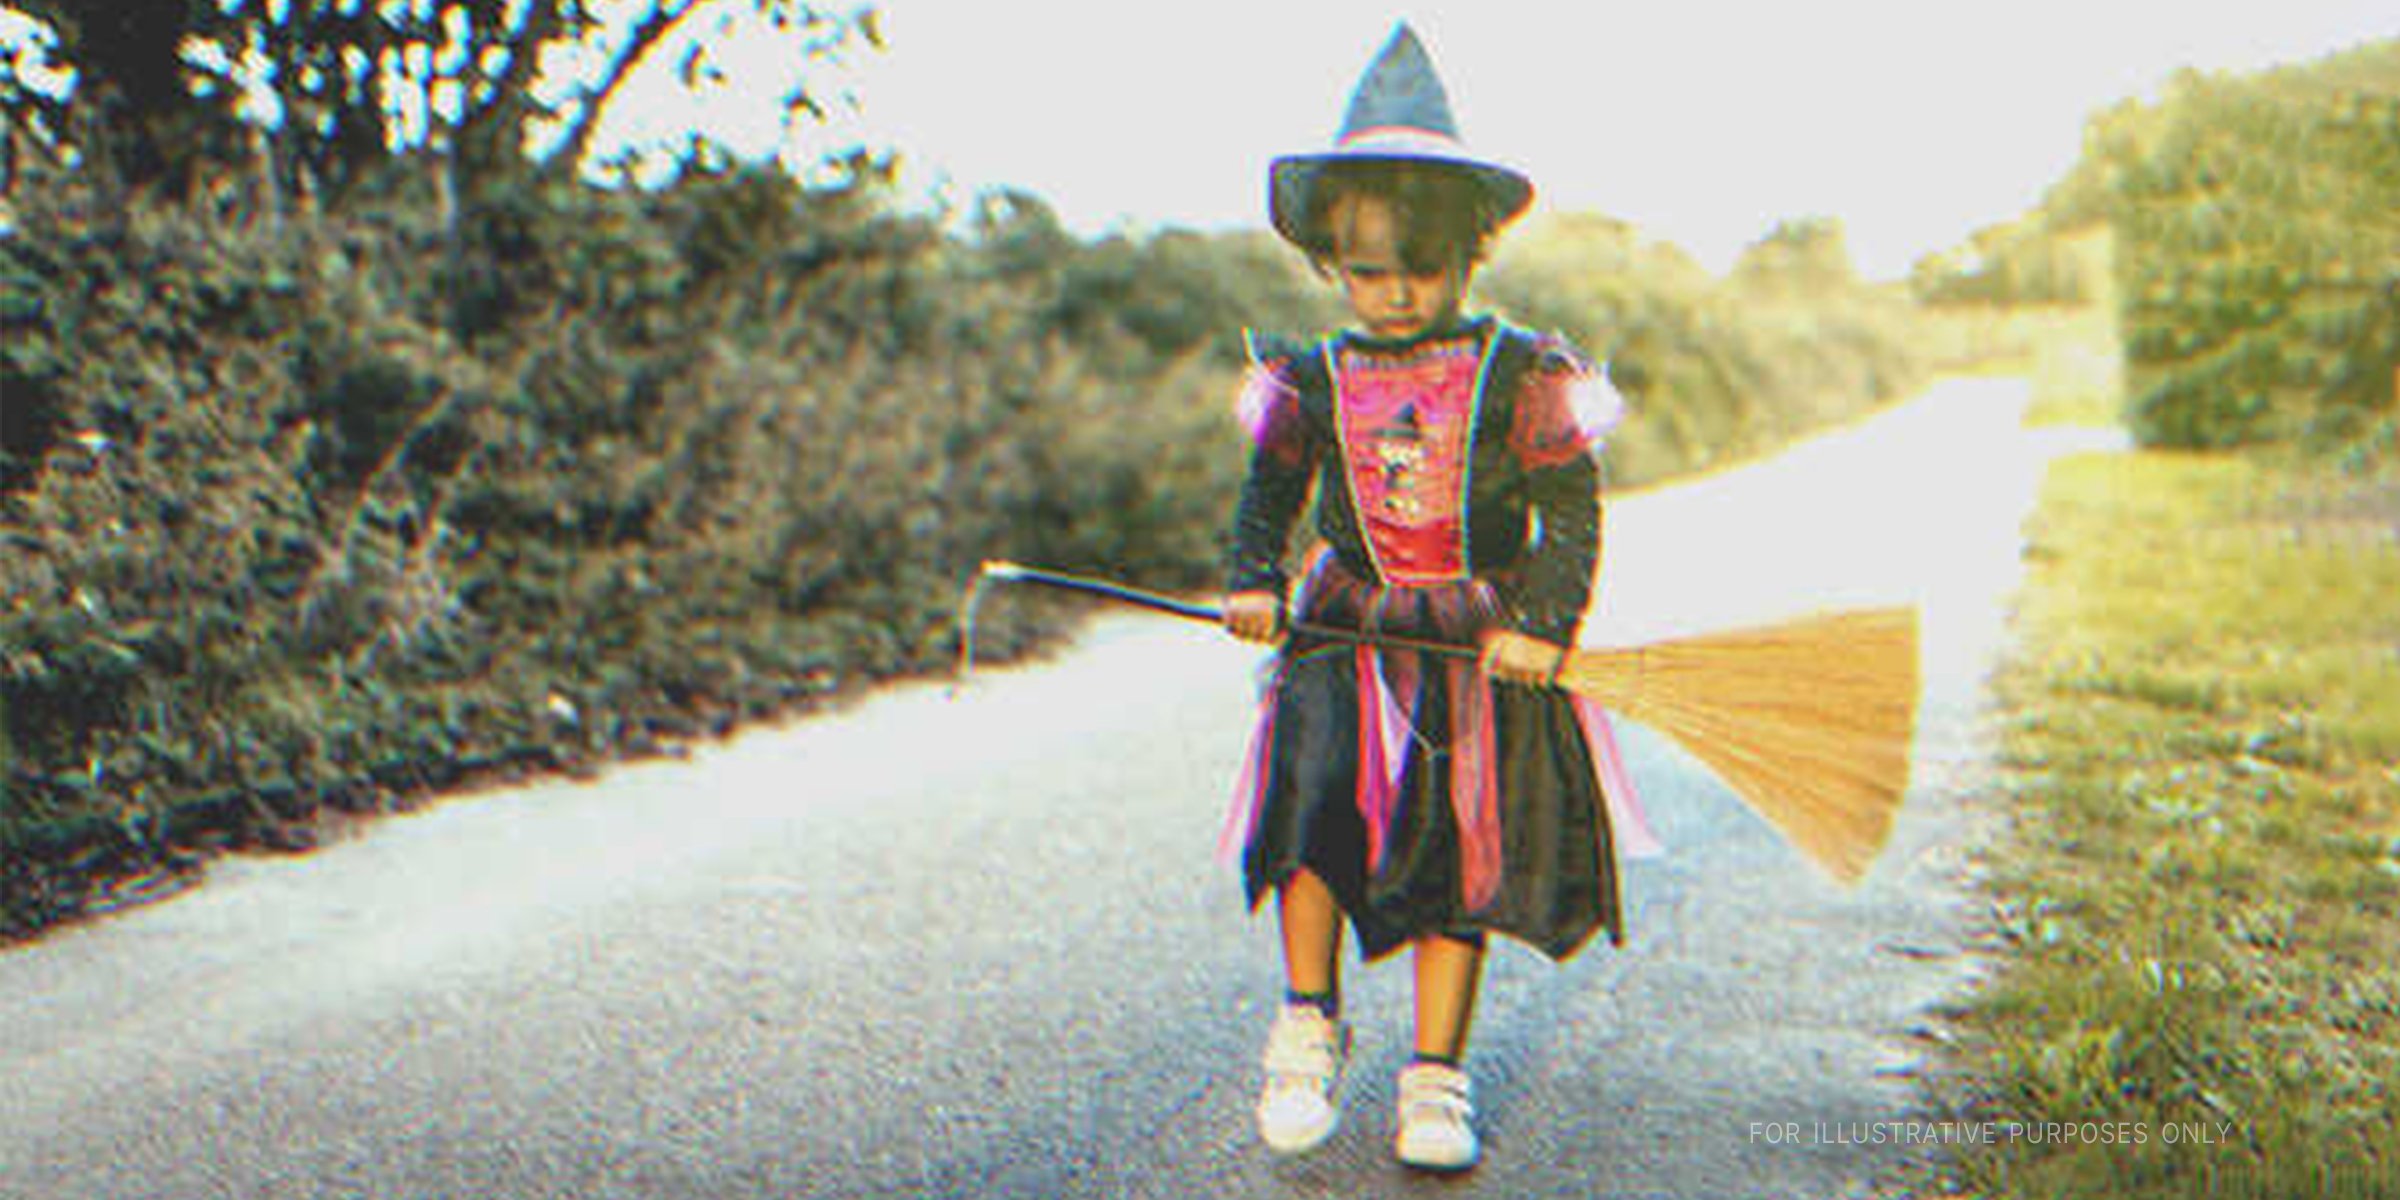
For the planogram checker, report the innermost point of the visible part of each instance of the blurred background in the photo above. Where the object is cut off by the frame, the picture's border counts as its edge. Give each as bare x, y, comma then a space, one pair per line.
405, 392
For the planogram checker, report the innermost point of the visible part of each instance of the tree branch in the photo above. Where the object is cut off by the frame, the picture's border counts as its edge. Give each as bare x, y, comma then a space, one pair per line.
662, 20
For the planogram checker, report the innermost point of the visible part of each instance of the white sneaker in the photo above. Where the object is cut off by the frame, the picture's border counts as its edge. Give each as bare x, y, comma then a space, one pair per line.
1436, 1106
1305, 1052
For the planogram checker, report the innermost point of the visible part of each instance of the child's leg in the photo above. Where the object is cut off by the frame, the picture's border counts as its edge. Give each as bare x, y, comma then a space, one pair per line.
1448, 972
1312, 936
1308, 1044
1437, 1132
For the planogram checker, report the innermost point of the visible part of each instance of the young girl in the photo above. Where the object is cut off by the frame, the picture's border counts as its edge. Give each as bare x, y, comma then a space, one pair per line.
1425, 799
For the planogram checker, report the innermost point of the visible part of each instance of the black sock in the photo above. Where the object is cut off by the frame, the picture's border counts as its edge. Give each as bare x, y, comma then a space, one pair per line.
1329, 1003
1451, 1061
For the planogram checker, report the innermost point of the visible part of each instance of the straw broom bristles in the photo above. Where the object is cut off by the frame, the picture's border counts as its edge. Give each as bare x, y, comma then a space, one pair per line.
1809, 720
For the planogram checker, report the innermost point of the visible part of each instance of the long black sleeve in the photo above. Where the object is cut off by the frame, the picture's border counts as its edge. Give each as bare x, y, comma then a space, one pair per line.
1262, 523
1558, 573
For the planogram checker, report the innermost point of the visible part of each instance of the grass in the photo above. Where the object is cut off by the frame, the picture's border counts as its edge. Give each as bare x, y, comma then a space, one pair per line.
2196, 906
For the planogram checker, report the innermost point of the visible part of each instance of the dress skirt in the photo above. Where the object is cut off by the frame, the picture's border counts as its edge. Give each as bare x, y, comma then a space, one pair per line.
1430, 799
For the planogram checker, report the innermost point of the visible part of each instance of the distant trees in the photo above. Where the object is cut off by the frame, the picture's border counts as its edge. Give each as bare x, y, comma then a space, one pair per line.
1810, 254
2036, 261
323, 90
1790, 341
2255, 240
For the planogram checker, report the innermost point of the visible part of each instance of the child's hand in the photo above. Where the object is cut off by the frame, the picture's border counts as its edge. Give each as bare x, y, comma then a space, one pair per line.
1513, 657
1254, 616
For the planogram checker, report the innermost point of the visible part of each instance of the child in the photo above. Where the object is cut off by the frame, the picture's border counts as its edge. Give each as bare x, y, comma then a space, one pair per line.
1426, 799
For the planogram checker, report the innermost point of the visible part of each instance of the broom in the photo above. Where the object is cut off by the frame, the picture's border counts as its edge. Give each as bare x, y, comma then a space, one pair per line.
1808, 721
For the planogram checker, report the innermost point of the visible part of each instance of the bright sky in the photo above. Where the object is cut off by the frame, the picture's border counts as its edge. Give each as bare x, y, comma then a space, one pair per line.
1701, 121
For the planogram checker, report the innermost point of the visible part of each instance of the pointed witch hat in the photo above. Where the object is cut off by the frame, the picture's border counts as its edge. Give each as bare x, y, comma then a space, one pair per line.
1399, 112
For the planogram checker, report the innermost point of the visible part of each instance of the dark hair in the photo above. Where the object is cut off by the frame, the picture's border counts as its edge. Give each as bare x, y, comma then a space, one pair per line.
1445, 216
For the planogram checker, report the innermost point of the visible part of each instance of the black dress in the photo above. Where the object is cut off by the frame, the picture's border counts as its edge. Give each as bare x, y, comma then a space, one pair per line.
1457, 491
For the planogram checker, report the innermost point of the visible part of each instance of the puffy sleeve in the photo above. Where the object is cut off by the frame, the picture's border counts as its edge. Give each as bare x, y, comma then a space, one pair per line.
1567, 408
1562, 419
1268, 405
1283, 459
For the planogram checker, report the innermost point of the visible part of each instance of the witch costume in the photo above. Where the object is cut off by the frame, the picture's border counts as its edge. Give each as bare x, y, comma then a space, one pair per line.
1457, 493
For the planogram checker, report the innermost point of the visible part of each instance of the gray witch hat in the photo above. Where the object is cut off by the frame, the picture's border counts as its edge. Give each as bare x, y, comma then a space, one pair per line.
1399, 112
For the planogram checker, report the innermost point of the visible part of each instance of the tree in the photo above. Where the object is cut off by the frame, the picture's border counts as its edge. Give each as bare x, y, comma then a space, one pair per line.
1804, 255
335, 87
126, 59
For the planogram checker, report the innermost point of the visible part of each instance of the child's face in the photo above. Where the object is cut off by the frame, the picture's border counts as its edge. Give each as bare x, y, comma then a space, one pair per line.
1389, 297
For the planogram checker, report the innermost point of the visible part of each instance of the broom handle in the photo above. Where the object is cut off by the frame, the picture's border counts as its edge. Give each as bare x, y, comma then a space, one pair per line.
1208, 612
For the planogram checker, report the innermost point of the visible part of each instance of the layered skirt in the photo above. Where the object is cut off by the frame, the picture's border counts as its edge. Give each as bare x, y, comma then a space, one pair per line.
1430, 799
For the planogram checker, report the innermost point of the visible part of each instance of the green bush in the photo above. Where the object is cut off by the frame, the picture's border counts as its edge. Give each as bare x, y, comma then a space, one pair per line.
372, 500
2259, 253
1789, 343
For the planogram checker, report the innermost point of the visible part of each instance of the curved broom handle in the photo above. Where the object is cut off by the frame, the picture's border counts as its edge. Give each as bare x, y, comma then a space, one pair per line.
996, 569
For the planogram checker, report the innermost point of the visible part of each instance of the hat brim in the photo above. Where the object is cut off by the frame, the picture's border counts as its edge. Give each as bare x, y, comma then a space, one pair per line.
1291, 177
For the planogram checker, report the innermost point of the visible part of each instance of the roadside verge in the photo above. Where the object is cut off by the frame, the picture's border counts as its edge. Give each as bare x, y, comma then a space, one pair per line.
2196, 892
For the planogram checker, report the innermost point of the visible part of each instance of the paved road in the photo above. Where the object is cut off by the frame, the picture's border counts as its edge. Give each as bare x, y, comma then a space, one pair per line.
975, 945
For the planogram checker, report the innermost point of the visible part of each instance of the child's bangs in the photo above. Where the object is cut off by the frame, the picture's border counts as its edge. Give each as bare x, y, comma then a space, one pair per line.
1441, 213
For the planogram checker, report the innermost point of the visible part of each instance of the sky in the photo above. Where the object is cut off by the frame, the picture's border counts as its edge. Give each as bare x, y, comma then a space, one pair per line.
1703, 122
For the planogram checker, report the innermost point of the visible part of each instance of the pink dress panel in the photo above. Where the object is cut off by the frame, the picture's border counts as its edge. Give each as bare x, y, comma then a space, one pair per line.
1405, 424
